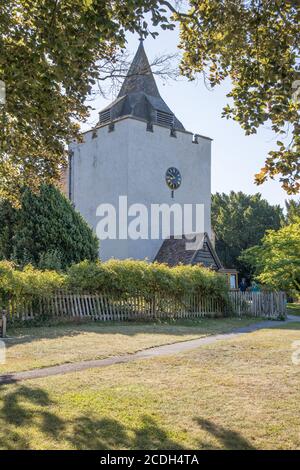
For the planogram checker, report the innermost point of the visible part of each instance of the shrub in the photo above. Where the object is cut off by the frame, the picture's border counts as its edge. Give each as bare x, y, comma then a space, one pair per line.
51, 260
28, 282
45, 231
120, 279
125, 277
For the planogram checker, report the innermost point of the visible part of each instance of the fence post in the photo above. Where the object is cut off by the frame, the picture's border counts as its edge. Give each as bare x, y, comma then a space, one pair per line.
3, 332
284, 305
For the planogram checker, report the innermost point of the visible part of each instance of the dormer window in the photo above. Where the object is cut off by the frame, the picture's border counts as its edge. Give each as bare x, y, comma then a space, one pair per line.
165, 119
104, 117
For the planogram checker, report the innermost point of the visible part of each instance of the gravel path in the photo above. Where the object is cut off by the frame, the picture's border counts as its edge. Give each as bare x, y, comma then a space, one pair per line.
157, 351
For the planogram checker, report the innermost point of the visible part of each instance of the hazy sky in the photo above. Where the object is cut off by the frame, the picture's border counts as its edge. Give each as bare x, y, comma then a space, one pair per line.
235, 157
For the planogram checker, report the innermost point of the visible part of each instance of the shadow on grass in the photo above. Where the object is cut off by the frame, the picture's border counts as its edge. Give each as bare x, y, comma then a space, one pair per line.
209, 326
203, 326
27, 412
230, 440
29, 409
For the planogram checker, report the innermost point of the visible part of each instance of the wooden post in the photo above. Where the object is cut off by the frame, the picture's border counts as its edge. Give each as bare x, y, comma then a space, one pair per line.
3, 332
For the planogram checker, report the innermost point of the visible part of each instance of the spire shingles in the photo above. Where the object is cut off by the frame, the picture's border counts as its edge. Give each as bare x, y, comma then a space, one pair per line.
139, 96
140, 77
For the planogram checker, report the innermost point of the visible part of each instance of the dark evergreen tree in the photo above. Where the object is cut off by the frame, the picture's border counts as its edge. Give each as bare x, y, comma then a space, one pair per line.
46, 231
240, 221
8, 216
292, 211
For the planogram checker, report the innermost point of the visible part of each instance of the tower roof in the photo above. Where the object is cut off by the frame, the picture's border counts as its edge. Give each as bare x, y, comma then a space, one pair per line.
139, 78
139, 96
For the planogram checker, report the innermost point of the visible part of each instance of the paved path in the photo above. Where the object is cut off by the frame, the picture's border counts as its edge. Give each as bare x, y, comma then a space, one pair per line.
157, 351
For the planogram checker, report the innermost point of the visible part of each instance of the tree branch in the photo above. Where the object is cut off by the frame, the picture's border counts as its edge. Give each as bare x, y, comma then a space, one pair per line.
173, 9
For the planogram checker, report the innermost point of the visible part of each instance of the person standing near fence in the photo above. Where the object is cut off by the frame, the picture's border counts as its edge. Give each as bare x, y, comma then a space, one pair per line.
243, 285
254, 287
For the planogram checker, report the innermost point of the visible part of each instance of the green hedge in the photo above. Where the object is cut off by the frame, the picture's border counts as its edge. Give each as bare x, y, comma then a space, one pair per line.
120, 278
29, 281
130, 276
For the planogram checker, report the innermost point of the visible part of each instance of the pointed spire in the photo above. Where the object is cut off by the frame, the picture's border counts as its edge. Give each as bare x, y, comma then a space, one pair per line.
139, 97
140, 77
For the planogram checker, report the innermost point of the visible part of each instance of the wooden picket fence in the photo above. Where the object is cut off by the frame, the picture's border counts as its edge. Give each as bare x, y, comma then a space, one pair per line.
104, 307
259, 304
2, 325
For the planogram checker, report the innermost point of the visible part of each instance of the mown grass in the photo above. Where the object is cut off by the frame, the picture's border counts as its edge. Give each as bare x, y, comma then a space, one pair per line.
236, 394
35, 347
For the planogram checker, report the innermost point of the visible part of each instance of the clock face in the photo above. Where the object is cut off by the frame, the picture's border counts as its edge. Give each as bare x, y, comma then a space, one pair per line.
173, 178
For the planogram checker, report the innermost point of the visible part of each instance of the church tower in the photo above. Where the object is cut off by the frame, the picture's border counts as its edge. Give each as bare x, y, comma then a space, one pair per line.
141, 151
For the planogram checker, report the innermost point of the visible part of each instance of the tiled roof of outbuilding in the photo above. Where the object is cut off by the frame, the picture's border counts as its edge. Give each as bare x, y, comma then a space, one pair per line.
174, 251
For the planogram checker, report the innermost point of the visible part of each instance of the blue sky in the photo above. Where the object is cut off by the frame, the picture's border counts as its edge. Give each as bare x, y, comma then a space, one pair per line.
235, 157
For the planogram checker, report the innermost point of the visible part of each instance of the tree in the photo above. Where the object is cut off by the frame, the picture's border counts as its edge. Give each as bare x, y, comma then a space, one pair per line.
276, 261
256, 44
45, 231
51, 53
292, 210
240, 221
7, 224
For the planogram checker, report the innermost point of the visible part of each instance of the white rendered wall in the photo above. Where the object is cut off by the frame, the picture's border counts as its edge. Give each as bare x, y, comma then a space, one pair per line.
131, 161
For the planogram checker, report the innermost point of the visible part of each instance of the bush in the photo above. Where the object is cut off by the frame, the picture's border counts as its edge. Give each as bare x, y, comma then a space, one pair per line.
28, 282
51, 260
120, 279
45, 231
130, 276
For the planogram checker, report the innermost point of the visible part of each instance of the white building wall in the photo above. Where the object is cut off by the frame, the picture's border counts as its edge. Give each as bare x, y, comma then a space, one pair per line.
131, 161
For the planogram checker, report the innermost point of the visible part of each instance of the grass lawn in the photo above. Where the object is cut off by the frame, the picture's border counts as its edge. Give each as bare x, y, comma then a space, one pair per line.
35, 347
241, 393
293, 309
